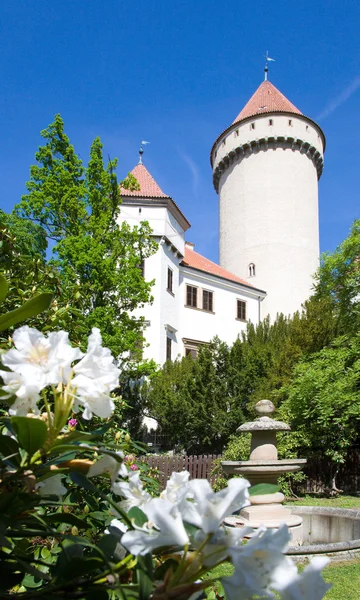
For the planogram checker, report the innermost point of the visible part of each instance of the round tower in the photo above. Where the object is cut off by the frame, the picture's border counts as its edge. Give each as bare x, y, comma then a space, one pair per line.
266, 168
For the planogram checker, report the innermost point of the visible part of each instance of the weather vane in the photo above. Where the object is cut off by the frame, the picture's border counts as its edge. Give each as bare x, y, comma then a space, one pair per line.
141, 151
267, 60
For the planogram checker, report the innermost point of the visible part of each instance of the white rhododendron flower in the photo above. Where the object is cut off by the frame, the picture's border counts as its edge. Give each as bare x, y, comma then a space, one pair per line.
259, 565
208, 509
108, 464
219, 547
96, 376
132, 490
164, 528
308, 585
45, 360
27, 393
176, 487
51, 486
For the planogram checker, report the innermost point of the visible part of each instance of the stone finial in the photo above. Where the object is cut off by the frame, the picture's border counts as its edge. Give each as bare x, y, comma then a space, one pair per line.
264, 407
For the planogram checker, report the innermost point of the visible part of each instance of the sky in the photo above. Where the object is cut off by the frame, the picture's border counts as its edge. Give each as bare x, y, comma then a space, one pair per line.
176, 74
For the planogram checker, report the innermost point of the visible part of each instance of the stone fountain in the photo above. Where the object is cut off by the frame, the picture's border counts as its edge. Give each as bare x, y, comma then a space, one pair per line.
265, 467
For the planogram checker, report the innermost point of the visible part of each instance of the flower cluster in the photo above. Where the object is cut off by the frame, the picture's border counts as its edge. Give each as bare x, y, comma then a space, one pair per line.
261, 567
39, 361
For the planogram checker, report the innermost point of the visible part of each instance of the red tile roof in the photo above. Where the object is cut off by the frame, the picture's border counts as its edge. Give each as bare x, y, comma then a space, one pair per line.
196, 261
267, 99
148, 186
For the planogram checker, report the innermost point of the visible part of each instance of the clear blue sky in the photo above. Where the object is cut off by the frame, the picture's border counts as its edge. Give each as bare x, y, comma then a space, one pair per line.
177, 74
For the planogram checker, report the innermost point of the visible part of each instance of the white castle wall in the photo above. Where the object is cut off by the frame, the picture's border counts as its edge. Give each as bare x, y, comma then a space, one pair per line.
269, 206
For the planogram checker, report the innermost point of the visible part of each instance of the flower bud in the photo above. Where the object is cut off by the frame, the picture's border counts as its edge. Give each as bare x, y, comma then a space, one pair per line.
74, 530
86, 509
118, 436
127, 438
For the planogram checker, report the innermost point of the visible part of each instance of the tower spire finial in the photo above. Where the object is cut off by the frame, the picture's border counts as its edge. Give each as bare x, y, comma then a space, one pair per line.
266, 68
141, 151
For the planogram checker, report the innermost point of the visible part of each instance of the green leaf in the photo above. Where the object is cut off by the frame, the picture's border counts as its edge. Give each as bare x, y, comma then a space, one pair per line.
67, 518
3, 288
83, 481
263, 488
31, 308
9, 449
138, 516
31, 433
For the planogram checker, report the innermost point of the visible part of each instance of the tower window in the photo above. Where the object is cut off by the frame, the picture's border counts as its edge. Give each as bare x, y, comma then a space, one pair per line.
290, 122
207, 300
307, 127
224, 142
251, 270
236, 133
252, 126
270, 121
241, 310
170, 277
168, 348
191, 296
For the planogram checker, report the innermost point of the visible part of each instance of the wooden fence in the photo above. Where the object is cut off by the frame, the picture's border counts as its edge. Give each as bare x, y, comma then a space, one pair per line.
317, 470
199, 467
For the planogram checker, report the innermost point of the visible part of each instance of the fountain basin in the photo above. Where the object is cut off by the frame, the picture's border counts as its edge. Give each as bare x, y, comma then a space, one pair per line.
334, 532
266, 471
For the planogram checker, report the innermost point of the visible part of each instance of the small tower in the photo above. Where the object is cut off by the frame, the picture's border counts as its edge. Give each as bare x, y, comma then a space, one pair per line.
266, 167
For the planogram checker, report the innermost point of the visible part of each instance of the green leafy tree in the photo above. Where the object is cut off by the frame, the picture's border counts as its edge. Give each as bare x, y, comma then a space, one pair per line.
322, 402
338, 281
78, 207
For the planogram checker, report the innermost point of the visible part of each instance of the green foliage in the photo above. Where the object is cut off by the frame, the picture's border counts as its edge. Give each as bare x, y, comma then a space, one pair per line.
338, 281
78, 208
323, 400
194, 401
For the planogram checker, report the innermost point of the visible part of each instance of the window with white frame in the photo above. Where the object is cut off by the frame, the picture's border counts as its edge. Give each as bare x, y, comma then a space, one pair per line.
251, 270
241, 310
207, 300
170, 280
191, 296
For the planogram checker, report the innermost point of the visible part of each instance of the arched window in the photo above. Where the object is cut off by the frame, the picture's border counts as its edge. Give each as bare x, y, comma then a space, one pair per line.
251, 270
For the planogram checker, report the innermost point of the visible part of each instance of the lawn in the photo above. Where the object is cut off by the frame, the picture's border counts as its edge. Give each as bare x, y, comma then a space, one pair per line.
345, 576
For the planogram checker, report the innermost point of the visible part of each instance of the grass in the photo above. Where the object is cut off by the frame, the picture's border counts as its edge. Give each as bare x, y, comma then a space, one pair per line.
342, 501
345, 576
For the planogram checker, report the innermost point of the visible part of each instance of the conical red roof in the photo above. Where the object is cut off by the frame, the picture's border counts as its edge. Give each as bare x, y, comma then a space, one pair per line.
267, 99
148, 186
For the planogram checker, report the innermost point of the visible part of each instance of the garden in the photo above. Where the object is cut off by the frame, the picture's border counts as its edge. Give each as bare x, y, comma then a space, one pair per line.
82, 514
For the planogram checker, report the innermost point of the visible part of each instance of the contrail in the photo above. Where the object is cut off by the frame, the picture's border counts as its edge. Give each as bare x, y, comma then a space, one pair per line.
339, 100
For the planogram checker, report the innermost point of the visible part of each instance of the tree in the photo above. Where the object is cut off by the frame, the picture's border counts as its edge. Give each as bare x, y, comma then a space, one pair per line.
338, 281
78, 207
323, 401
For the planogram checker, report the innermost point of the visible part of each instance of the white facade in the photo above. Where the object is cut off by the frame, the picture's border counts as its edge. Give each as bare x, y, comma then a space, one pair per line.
168, 317
266, 171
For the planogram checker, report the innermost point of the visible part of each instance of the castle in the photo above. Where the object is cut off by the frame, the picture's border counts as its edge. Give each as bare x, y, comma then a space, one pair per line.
266, 167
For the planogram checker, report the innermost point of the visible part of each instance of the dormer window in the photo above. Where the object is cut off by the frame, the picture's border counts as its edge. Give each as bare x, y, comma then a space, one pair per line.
251, 269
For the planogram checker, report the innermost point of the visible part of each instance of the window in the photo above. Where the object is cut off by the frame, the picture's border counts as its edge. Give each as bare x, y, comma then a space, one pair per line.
236, 133
241, 310
252, 126
270, 121
251, 270
191, 296
224, 142
192, 347
290, 122
142, 268
193, 352
170, 281
207, 300
137, 353
168, 348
